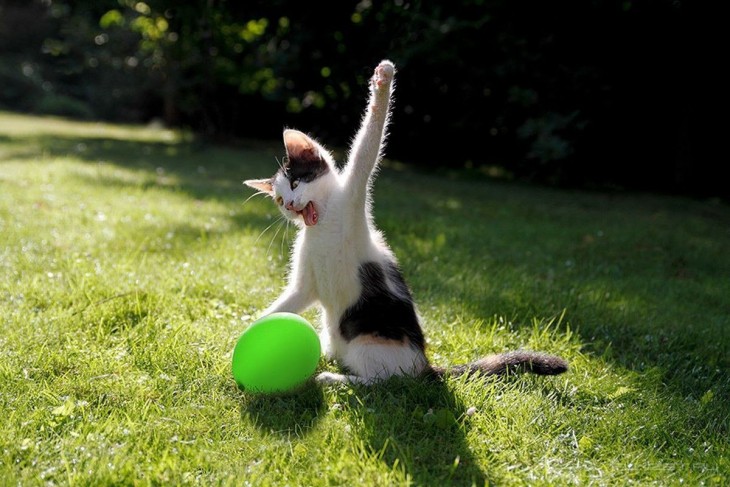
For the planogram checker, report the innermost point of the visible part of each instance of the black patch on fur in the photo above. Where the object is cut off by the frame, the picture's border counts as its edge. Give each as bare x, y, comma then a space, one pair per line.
305, 167
381, 312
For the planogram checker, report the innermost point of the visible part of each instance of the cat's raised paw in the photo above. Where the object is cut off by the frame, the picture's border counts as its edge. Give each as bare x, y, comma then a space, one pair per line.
383, 74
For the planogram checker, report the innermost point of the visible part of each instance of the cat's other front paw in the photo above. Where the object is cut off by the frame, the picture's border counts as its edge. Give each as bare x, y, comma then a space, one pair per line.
383, 74
329, 378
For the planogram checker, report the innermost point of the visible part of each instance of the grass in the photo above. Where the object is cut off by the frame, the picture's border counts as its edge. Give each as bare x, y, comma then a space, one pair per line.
129, 265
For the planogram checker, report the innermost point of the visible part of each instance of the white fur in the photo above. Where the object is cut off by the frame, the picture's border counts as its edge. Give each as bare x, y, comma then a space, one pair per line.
380, 360
326, 257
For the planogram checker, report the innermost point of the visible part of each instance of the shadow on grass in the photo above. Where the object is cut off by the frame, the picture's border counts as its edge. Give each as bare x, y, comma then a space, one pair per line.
418, 426
200, 170
641, 277
295, 413
414, 426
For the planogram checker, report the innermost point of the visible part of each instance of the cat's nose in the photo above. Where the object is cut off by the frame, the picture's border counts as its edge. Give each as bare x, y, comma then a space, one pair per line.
289, 205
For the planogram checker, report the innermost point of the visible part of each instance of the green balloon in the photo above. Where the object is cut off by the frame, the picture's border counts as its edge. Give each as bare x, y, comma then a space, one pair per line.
276, 354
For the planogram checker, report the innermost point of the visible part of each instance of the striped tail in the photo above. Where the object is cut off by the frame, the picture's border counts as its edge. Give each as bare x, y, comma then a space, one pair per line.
507, 363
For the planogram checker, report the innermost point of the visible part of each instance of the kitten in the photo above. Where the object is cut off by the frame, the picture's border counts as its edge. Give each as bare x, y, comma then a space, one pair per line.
342, 262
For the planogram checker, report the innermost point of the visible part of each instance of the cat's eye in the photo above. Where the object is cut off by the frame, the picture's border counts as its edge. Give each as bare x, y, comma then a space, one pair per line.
279, 200
294, 184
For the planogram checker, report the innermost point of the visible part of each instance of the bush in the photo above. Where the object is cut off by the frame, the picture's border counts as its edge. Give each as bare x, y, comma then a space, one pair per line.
17, 91
573, 93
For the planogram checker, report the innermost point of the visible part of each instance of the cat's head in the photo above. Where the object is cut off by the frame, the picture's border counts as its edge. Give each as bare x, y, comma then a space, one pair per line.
302, 184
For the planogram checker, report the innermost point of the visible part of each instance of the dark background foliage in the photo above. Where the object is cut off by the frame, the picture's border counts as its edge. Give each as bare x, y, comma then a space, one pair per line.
599, 93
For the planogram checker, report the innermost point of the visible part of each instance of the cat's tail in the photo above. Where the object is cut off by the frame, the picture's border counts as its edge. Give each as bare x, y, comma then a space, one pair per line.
506, 363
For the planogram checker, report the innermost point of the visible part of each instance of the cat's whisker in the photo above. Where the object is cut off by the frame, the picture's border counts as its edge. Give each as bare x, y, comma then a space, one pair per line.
278, 220
284, 237
281, 165
258, 193
274, 238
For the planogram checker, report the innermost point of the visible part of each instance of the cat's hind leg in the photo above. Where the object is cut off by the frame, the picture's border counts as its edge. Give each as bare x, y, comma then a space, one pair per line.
372, 359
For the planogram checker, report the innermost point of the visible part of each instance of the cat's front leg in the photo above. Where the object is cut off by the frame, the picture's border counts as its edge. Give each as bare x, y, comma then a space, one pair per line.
367, 146
290, 301
381, 90
381, 81
331, 378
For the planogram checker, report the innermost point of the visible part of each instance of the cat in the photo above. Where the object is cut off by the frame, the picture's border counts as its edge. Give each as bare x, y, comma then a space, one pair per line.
340, 261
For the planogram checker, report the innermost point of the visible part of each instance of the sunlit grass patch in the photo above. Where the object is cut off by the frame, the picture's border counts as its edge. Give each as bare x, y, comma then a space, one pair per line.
130, 262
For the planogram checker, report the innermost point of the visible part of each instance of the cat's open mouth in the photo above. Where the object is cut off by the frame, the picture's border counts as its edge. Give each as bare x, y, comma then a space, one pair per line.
310, 215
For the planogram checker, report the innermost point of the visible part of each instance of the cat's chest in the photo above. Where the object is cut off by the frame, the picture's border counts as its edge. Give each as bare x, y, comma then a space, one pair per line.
334, 261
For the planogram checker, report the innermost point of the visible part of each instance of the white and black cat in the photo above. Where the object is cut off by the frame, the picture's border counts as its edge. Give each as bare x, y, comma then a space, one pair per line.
342, 262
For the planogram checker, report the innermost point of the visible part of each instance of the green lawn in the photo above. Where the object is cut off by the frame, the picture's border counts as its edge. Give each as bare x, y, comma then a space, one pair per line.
130, 262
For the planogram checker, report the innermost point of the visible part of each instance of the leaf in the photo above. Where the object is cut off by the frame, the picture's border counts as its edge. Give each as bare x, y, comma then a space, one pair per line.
585, 444
445, 419
26, 444
620, 392
112, 18
66, 409
707, 397
442, 418
418, 413
429, 417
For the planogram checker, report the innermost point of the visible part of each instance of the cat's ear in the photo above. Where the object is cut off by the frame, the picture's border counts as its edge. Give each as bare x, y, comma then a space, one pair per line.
299, 147
263, 185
